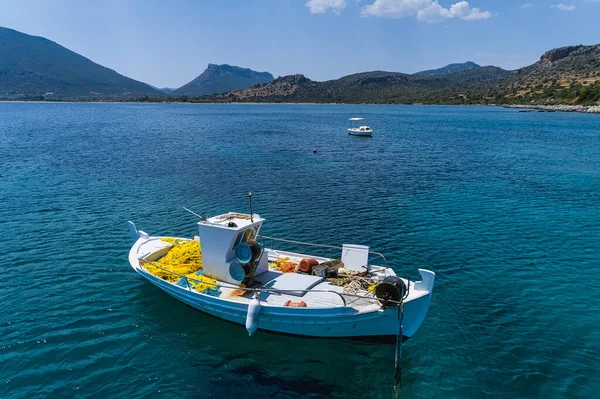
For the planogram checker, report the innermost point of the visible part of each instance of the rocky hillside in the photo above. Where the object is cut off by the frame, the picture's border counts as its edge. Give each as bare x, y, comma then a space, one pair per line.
566, 75
33, 67
374, 87
282, 87
565, 65
222, 78
450, 68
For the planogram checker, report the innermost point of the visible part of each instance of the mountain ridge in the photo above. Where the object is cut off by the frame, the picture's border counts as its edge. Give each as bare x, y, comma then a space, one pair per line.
222, 78
450, 68
562, 76
33, 66
379, 87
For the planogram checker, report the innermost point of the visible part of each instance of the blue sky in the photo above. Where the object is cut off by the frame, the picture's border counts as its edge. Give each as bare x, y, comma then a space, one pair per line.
169, 43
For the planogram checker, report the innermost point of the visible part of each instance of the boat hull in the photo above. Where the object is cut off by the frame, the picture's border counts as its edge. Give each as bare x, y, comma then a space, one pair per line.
363, 133
336, 321
317, 322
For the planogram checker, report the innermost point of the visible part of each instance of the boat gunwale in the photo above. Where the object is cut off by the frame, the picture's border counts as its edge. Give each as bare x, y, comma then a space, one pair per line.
324, 312
146, 274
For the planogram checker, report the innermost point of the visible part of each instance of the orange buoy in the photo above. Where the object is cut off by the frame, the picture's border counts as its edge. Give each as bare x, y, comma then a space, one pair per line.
306, 265
291, 304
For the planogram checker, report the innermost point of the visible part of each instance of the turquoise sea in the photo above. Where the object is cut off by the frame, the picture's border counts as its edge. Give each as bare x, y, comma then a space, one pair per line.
503, 206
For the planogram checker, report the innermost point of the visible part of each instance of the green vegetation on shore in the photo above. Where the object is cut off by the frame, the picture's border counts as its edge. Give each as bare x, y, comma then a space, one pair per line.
575, 94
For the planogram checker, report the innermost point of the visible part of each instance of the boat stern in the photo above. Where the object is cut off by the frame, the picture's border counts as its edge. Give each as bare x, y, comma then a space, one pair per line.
418, 302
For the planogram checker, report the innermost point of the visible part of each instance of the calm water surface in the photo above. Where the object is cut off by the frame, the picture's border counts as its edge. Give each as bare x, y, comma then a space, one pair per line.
503, 206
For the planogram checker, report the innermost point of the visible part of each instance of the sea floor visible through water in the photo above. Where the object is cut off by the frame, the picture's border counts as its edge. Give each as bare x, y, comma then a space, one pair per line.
503, 206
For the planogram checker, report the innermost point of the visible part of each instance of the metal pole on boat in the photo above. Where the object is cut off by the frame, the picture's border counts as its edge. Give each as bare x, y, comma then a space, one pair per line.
193, 213
399, 335
250, 197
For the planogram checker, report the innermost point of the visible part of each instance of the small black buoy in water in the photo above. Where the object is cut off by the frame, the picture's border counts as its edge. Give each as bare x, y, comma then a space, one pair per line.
314, 150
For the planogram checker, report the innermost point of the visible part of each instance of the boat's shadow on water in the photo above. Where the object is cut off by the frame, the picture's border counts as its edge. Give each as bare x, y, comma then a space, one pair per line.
276, 365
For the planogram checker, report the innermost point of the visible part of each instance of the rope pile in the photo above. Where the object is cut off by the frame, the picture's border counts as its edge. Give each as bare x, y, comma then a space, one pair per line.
354, 282
353, 287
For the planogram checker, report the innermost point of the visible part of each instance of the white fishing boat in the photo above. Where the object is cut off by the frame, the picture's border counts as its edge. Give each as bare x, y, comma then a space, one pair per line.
244, 279
361, 130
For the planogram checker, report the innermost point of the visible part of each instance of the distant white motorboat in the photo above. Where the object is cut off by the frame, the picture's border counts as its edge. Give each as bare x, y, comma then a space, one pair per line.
361, 130
241, 280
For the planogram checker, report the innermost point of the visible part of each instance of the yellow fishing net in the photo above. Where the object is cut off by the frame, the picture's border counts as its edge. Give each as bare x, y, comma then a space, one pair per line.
203, 283
184, 258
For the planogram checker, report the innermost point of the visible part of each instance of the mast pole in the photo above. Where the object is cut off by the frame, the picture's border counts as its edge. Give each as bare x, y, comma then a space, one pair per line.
250, 198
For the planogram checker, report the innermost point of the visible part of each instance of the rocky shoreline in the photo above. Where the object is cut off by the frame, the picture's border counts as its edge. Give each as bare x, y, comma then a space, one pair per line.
588, 109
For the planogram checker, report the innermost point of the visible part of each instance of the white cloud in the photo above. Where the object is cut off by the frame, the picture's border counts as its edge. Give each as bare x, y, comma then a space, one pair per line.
475, 14
322, 6
563, 7
460, 9
395, 8
424, 10
526, 5
432, 13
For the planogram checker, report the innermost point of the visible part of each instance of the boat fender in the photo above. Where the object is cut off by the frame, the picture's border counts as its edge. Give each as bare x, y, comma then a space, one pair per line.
253, 315
306, 265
